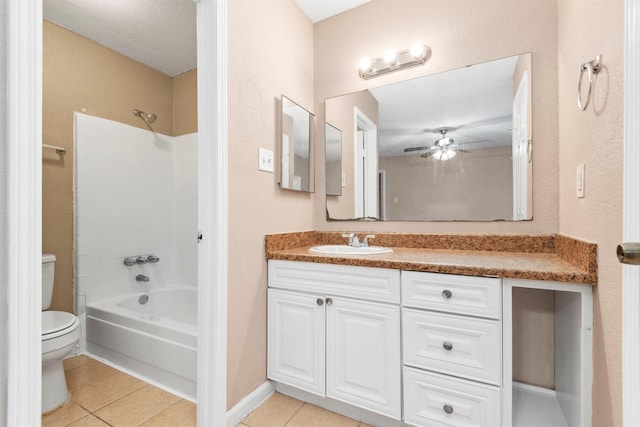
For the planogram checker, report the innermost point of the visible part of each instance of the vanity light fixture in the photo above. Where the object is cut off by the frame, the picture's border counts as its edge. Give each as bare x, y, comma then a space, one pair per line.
417, 54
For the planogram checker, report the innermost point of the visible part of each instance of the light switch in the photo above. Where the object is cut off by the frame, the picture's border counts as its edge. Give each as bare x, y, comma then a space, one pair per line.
344, 180
265, 160
580, 181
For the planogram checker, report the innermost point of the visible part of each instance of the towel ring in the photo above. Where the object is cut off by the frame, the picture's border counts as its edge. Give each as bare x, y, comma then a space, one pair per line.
592, 67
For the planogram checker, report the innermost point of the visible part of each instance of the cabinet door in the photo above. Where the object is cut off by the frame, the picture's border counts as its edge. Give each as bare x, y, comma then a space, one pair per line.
363, 355
296, 334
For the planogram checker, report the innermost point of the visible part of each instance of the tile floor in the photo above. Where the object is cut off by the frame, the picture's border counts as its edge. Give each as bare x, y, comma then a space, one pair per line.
102, 396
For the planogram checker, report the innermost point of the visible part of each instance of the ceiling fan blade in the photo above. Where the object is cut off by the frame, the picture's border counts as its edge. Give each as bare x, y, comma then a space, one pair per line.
420, 148
428, 154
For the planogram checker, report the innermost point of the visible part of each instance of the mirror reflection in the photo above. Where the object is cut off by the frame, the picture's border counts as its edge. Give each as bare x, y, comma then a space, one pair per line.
449, 146
333, 159
297, 144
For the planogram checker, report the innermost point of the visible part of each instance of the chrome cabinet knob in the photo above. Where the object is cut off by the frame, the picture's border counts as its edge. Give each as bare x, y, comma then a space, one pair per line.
447, 294
329, 301
141, 260
319, 301
448, 409
447, 346
129, 262
152, 259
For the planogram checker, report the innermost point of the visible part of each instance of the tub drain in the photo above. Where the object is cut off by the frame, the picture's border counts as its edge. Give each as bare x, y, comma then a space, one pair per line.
143, 299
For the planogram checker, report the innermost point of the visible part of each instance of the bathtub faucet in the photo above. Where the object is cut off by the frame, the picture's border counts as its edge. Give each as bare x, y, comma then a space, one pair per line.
142, 278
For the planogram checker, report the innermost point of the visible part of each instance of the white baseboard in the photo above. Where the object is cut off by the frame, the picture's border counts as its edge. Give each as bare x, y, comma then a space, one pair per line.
249, 403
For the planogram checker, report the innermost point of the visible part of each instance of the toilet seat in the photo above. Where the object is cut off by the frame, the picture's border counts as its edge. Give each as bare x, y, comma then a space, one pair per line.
57, 323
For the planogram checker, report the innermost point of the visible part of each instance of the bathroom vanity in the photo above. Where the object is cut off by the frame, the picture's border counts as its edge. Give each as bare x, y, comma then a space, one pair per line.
401, 344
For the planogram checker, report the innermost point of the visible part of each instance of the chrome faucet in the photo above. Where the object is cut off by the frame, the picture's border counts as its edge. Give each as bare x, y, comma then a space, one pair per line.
353, 239
366, 240
142, 278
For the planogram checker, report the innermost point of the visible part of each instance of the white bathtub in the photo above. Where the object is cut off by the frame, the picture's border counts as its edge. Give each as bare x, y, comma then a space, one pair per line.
157, 340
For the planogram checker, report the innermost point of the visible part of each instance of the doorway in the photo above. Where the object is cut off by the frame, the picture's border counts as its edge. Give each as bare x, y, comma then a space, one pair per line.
23, 23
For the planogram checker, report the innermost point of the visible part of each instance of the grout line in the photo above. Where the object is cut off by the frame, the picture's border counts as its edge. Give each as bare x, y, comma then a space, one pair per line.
295, 413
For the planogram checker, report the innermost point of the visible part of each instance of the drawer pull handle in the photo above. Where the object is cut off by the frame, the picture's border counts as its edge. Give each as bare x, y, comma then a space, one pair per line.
329, 301
447, 346
448, 409
319, 301
446, 294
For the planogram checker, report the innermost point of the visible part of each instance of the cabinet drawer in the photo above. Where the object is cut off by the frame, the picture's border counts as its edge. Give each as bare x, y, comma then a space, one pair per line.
455, 345
436, 400
474, 296
374, 284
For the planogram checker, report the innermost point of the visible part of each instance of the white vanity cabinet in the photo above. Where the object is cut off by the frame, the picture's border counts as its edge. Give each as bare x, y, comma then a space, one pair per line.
397, 348
452, 346
335, 331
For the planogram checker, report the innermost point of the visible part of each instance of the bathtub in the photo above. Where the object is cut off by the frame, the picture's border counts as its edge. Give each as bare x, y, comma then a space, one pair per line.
157, 339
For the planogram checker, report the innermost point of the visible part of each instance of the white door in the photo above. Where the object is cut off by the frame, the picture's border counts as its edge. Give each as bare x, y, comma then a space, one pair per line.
366, 166
363, 355
296, 334
631, 233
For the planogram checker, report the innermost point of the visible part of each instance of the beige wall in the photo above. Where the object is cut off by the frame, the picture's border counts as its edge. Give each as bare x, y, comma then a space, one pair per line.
475, 185
270, 54
185, 103
81, 75
594, 137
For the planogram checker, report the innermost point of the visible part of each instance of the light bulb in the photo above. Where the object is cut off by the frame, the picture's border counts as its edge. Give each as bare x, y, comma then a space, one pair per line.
365, 64
390, 57
417, 50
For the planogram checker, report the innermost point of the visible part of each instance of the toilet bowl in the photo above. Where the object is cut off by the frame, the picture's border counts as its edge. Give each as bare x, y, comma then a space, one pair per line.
60, 334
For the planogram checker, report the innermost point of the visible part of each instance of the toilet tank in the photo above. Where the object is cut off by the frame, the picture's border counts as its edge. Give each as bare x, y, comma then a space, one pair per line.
48, 272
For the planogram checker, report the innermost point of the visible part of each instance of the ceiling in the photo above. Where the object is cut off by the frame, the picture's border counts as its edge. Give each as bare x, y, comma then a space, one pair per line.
473, 103
158, 33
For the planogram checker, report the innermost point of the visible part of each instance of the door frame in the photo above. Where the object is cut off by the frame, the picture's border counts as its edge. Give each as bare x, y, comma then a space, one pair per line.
631, 217
22, 333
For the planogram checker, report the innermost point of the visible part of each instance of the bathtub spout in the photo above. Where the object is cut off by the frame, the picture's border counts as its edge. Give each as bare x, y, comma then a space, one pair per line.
142, 278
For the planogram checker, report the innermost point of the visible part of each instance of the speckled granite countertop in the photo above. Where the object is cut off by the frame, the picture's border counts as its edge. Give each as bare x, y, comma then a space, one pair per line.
521, 256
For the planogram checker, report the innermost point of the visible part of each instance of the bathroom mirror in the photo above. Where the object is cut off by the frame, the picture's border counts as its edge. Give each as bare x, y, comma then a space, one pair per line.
333, 159
453, 146
296, 171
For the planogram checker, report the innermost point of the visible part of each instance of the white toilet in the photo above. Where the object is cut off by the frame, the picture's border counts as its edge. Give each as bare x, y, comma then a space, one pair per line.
60, 334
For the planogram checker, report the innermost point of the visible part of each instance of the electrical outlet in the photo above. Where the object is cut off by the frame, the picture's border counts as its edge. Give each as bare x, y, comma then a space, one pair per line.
265, 160
580, 181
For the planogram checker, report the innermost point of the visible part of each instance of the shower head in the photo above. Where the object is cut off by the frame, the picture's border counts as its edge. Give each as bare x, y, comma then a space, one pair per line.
148, 118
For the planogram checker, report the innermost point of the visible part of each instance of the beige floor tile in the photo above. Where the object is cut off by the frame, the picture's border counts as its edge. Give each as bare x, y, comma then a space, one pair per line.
100, 393
89, 421
137, 407
364, 425
274, 412
87, 373
312, 416
183, 414
64, 416
75, 361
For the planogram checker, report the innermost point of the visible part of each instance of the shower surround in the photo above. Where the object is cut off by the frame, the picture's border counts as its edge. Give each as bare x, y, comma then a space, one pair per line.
135, 195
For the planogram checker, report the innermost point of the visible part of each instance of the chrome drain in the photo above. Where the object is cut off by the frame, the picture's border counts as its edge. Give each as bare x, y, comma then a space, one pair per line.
143, 299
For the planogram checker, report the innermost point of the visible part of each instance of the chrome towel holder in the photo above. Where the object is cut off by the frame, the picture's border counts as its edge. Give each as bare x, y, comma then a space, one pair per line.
592, 68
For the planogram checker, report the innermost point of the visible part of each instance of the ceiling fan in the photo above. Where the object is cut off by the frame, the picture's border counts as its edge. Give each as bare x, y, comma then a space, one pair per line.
442, 149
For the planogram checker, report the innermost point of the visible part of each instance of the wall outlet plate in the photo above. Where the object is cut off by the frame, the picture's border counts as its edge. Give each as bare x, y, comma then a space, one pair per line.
265, 160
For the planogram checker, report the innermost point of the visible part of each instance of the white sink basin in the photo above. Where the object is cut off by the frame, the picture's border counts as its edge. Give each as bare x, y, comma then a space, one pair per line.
349, 250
